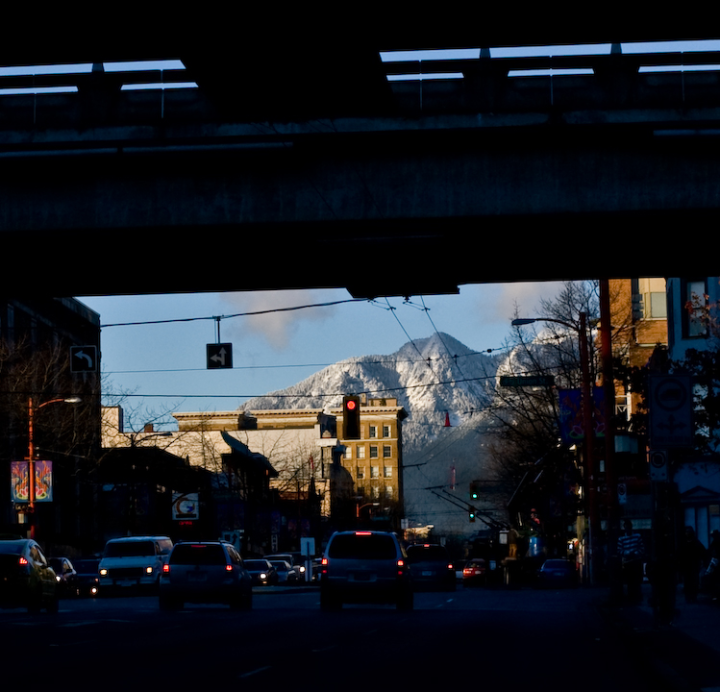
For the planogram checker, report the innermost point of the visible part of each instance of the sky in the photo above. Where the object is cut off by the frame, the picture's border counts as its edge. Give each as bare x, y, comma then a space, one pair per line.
161, 368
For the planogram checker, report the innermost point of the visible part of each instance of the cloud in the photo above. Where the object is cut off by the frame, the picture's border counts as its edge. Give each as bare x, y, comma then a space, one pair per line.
277, 328
527, 296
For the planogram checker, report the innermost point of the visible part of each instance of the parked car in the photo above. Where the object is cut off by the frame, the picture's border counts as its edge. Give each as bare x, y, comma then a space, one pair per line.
88, 579
431, 567
205, 572
26, 578
66, 576
262, 572
475, 572
296, 560
133, 562
557, 573
287, 574
365, 567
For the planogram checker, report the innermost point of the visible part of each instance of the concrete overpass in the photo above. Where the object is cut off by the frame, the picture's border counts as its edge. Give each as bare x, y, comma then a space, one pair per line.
305, 163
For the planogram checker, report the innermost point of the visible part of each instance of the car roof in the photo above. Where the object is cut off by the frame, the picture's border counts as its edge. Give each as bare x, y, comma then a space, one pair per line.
139, 538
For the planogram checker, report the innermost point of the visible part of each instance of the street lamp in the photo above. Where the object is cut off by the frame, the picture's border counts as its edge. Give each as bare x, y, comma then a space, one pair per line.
31, 451
581, 331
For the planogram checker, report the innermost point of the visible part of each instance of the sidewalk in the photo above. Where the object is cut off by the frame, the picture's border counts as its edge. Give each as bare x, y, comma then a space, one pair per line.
683, 656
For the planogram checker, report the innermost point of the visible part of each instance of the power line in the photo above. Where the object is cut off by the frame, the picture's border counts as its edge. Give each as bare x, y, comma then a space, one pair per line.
238, 314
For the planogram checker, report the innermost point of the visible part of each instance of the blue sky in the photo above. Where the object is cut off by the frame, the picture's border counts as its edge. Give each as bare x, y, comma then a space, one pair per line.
163, 366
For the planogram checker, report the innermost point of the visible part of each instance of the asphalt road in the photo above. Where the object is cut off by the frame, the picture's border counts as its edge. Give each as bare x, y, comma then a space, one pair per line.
472, 639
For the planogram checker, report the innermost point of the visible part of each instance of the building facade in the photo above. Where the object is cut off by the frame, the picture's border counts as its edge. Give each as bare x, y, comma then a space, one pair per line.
50, 404
349, 481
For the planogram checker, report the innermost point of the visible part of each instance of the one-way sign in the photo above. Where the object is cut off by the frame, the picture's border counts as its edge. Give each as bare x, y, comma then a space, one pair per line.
83, 359
219, 356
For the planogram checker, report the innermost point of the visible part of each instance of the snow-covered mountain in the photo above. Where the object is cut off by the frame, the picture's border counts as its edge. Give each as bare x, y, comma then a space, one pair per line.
429, 377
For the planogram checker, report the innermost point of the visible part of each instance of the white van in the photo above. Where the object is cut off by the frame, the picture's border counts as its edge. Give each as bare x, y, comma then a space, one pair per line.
133, 562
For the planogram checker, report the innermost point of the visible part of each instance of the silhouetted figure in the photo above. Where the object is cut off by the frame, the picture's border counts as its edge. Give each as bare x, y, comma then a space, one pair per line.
631, 552
691, 559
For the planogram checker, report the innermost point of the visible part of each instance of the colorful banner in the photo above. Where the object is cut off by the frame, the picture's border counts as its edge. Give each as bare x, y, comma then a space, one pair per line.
20, 481
571, 414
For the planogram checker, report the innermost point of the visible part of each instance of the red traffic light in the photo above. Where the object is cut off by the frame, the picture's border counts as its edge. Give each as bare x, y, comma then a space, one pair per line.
351, 405
351, 418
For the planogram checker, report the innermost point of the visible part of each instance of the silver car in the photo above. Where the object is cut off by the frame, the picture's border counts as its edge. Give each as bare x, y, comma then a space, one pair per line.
365, 567
205, 572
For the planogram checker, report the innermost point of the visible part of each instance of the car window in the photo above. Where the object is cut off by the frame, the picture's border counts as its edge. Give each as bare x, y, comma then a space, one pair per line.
198, 554
362, 546
431, 552
86, 566
130, 549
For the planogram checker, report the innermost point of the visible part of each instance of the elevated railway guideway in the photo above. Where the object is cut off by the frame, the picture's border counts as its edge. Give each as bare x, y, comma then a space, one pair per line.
297, 157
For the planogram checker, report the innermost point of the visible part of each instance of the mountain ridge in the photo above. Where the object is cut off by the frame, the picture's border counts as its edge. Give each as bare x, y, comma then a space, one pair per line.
432, 378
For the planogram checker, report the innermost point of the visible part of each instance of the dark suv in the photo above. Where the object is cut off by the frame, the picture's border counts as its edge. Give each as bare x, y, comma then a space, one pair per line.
431, 567
26, 579
205, 572
365, 567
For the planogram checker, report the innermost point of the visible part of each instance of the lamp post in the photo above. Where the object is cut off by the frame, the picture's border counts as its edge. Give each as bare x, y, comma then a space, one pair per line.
591, 481
31, 452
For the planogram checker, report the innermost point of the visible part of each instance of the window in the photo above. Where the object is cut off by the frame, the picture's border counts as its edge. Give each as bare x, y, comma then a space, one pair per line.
360, 452
387, 451
694, 299
653, 297
373, 451
374, 492
348, 452
360, 472
388, 492
373, 431
387, 471
386, 431
374, 472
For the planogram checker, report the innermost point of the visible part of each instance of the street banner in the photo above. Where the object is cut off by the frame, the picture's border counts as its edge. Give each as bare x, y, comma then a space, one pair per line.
20, 481
572, 428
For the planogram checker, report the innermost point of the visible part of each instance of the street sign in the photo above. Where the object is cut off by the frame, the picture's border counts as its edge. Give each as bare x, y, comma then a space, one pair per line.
527, 381
658, 466
219, 356
83, 359
671, 419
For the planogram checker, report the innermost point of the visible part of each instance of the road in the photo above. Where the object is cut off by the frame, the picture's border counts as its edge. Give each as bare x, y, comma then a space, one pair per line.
474, 639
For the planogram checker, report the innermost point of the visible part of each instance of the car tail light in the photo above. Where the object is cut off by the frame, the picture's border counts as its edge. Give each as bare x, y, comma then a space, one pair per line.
166, 569
450, 565
22, 561
228, 568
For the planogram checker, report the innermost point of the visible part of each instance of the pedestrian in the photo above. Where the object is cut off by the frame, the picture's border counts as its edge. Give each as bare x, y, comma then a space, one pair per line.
692, 555
631, 551
712, 573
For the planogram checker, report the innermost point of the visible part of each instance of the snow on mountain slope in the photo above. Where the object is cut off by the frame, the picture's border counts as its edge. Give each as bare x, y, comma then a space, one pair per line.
433, 379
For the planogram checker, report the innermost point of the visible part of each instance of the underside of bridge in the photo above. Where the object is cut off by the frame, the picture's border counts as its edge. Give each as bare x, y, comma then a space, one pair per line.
303, 156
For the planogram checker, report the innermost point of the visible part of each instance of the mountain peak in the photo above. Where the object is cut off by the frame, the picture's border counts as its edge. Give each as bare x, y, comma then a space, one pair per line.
429, 377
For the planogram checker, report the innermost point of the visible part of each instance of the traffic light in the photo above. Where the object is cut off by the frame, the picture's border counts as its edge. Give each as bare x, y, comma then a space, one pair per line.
474, 491
351, 418
471, 514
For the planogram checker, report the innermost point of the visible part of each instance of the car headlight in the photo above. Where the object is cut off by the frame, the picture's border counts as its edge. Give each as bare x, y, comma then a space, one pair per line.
263, 575
301, 570
148, 570
103, 572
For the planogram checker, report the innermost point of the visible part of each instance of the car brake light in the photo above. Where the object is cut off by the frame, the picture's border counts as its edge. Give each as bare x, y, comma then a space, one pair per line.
228, 568
401, 563
450, 566
166, 569
363, 533
22, 561
324, 561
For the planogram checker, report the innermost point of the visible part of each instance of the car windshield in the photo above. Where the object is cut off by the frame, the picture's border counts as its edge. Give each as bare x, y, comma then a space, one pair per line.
130, 549
11, 548
86, 566
198, 554
280, 564
429, 552
362, 546
255, 564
